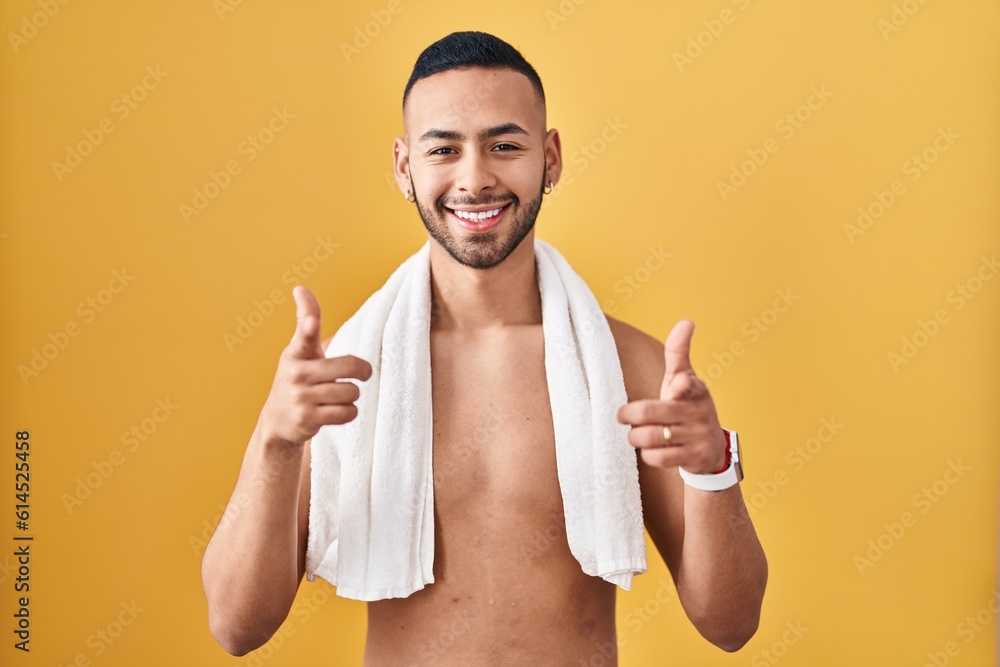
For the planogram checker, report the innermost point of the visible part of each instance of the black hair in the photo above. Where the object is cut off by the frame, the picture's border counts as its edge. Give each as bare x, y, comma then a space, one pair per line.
465, 50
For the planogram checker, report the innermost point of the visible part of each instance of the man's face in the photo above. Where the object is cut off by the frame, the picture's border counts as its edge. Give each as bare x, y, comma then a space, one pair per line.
475, 155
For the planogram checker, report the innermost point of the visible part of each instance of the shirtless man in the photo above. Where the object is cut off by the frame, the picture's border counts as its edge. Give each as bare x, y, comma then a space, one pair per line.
475, 139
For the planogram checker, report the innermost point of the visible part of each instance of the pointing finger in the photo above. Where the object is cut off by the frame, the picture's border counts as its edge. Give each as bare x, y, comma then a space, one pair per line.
306, 341
677, 353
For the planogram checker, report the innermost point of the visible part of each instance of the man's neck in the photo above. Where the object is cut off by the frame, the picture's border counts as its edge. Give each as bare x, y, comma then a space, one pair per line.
469, 301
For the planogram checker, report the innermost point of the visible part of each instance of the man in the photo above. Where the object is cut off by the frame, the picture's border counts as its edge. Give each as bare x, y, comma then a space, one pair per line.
476, 159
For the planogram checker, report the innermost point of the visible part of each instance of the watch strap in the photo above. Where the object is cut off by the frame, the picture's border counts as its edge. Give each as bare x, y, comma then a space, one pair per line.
721, 480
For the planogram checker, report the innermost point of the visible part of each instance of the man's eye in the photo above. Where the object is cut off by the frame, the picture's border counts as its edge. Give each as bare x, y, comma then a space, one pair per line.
505, 147
441, 151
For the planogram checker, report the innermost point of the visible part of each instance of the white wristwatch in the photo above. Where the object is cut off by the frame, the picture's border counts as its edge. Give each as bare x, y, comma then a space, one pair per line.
723, 480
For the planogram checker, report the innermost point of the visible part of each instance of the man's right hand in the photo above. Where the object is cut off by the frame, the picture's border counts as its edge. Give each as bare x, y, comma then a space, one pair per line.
309, 390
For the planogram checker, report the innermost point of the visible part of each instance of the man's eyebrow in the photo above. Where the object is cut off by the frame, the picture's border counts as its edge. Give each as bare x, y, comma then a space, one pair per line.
500, 130
447, 135
488, 133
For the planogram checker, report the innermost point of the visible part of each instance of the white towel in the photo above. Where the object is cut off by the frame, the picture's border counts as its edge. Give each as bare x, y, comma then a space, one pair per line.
371, 512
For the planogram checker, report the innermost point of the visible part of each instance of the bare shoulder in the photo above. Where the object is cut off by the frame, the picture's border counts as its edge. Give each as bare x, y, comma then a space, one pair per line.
641, 357
661, 490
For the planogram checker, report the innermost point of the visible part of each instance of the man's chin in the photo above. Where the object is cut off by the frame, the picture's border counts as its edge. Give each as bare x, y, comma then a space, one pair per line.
480, 250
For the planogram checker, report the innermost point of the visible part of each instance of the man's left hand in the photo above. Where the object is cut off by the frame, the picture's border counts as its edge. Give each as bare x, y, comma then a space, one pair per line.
697, 442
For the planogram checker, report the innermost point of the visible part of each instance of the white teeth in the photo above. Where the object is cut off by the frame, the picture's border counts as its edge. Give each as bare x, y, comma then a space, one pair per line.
477, 217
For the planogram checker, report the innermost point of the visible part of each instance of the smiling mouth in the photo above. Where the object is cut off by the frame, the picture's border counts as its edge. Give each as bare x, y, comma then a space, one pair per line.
477, 216
479, 220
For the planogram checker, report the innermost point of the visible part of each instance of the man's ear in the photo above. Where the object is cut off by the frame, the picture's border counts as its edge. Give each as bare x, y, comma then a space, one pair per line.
401, 166
553, 157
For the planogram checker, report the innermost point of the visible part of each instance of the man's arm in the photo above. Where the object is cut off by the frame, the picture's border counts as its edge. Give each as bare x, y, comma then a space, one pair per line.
705, 538
254, 562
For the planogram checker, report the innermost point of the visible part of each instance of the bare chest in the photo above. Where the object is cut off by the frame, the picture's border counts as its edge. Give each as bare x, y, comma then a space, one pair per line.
494, 450
506, 587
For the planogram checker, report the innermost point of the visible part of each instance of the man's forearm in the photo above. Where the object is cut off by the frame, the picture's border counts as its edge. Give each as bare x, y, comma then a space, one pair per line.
723, 571
250, 567
254, 561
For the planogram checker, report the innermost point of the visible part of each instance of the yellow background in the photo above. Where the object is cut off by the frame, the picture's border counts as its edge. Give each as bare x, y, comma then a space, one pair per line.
135, 539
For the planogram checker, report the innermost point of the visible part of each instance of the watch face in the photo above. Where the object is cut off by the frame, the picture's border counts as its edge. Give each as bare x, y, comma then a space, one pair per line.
734, 449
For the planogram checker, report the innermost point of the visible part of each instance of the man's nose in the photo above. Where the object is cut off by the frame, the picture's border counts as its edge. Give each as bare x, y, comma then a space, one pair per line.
474, 174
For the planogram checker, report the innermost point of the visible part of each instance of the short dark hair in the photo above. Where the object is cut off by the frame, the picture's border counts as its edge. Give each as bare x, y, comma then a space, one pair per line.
465, 50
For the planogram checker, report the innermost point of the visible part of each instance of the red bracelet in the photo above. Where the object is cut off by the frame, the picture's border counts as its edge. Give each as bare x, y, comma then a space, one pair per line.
729, 454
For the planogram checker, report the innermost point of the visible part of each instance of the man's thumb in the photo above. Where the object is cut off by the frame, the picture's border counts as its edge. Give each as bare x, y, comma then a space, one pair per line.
306, 340
677, 352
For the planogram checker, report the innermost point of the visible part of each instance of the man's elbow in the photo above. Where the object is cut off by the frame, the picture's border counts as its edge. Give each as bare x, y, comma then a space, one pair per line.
239, 620
231, 639
733, 638
235, 637
234, 646
731, 626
